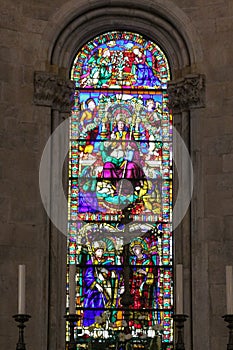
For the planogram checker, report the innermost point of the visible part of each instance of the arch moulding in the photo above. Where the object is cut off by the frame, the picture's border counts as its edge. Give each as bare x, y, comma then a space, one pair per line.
161, 21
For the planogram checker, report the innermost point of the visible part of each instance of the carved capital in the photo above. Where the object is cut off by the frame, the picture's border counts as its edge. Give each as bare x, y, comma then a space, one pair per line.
44, 88
64, 95
187, 93
52, 91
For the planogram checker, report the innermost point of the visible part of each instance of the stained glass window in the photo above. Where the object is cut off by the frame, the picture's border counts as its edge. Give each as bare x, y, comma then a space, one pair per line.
120, 194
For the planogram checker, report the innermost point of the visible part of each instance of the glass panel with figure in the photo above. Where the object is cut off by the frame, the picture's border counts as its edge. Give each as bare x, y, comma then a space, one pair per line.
120, 60
120, 194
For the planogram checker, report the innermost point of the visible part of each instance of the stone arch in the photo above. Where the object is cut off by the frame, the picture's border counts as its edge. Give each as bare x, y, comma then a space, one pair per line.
161, 21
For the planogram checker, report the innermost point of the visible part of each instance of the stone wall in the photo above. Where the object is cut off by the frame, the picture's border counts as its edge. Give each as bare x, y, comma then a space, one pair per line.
28, 31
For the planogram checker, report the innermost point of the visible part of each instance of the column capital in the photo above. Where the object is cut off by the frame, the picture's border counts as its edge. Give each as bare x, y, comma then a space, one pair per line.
52, 91
187, 93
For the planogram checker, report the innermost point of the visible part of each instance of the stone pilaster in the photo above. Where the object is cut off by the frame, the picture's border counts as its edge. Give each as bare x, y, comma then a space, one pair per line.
56, 93
185, 95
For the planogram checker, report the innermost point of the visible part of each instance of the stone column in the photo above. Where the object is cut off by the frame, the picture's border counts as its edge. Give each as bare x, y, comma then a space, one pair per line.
52, 91
185, 95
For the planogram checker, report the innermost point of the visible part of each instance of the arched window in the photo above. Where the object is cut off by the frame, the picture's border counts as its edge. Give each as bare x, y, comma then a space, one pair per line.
120, 194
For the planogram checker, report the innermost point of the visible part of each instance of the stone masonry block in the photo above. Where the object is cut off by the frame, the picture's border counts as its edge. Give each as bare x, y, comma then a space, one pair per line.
228, 163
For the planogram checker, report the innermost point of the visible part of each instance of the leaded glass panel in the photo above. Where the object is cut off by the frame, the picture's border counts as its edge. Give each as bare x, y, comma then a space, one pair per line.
120, 194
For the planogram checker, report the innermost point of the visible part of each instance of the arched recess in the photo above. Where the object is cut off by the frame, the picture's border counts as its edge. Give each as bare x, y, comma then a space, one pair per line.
162, 21
68, 30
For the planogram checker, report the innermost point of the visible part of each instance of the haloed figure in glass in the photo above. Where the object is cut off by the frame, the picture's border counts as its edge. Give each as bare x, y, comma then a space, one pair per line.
121, 158
97, 284
142, 278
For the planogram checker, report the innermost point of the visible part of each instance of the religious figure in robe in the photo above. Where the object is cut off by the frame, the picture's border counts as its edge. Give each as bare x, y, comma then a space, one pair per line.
121, 158
99, 289
142, 277
143, 69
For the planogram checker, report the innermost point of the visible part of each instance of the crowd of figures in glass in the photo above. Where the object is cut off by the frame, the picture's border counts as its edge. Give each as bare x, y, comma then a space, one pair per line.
120, 193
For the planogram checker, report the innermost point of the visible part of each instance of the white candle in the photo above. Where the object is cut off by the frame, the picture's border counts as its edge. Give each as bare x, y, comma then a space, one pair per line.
229, 290
72, 289
179, 289
21, 290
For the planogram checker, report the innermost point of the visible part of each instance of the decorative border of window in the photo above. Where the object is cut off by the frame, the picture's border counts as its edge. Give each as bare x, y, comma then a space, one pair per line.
187, 93
53, 91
